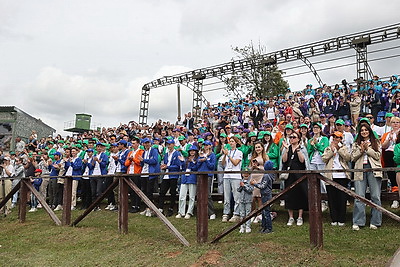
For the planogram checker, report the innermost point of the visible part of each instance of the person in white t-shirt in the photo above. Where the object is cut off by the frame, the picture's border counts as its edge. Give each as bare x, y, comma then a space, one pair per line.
231, 161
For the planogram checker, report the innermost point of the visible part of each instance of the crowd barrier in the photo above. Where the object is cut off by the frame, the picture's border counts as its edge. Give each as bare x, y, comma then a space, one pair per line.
314, 198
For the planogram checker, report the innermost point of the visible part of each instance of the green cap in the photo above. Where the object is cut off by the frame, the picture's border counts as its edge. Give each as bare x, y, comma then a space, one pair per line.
340, 122
365, 120
289, 126
223, 135
181, 137
12, 153
251, 134
200, 140
51, 142
318, 124
268, 133
261, 135
389, 115
303, 125
238, 136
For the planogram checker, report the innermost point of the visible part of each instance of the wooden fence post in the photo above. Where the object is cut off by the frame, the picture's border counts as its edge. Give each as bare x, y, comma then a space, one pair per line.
202, 208
315, 213
123, 206
67, 201
23, 200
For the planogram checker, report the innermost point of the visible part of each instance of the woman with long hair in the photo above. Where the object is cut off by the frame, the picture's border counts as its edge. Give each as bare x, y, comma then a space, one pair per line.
258, 158
337, 156
221, 143
295, 158
232, 159
366, 153
389, 140
271, 149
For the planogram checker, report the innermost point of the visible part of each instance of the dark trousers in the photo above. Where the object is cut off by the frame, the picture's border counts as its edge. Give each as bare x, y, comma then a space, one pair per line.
60, 194
266, 222
171, 185
96, 187
147, 186
53, 190
135, 199
389, 162
85, 193
210, 203
337, 201
110, 195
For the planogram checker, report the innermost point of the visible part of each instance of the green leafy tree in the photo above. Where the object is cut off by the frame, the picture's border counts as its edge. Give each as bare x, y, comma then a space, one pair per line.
261, 79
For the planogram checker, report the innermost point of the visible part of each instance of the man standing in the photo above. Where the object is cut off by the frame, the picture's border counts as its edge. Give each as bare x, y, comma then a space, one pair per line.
150, 164
134, 167
5, 185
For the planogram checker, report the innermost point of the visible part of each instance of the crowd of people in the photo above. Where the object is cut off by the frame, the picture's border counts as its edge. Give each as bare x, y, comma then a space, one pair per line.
335, 128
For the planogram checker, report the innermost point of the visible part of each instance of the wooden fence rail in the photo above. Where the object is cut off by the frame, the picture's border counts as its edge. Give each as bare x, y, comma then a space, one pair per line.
314, 195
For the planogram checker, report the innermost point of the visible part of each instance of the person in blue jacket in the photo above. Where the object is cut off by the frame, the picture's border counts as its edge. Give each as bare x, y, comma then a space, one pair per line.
36, 182
150, 164
172, 163
74, 168
188, 183
207, 162
265, 187
99, 163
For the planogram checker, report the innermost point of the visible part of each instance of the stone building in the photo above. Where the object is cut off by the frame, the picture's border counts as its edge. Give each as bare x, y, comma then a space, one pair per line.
16, 123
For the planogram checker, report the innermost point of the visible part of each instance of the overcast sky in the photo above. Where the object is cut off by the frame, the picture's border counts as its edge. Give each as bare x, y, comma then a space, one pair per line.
58, 58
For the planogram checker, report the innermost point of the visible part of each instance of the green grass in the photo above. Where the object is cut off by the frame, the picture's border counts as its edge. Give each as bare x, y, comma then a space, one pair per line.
96, 242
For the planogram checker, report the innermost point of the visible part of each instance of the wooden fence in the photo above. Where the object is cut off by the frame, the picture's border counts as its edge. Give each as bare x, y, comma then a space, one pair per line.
124, 183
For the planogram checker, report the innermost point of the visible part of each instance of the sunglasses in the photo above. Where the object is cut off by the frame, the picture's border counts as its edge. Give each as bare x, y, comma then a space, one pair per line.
369, 117
292, 137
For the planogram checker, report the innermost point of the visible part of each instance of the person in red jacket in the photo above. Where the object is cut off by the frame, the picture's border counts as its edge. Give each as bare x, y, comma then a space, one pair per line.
133, 166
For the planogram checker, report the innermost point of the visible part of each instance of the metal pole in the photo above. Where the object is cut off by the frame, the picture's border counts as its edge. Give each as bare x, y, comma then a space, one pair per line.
202, 208
179, 99
315, 212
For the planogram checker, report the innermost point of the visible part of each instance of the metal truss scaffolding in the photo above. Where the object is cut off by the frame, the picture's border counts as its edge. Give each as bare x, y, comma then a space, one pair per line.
358, 41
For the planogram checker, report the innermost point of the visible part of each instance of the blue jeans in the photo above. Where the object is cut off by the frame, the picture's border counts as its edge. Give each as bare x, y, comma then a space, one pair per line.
375, 192
319, 167
230, 187
266, 222
244, 210
185, 188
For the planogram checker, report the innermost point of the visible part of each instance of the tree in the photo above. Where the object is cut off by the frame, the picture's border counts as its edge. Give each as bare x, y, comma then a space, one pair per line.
261, 79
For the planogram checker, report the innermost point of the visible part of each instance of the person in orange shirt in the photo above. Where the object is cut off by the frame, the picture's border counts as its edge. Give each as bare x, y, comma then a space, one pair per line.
133, 167
280, 132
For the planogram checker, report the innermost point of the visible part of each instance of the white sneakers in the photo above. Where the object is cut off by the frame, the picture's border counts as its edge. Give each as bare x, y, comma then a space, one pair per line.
355, 227
59, 207
334, 223
299, 221
32, 210
213, 217
224, 218
290, 222
187, 216
373, 227
234, 218
282, 203
244, 229
395, 204
324, 206
178, 216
